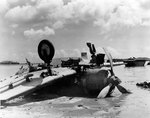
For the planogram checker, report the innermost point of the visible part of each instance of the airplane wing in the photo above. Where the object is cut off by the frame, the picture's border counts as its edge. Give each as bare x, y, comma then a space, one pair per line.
21, 86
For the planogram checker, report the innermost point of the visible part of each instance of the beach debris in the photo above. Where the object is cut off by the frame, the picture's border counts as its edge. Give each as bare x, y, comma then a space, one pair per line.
144, 84
82, 106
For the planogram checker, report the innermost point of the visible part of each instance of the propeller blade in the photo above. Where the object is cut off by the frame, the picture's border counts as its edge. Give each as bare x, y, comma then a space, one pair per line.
104, 91
110, 60
120, 88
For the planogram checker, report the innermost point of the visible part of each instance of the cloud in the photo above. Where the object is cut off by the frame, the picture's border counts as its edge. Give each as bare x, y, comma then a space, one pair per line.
114, 52
75, 53
24, 13
56, 14
105, 10
14, 25
38, 33
13, 32
3, 6
58, 25
61, 53
68, 53
32, 54
101, 13
49, 5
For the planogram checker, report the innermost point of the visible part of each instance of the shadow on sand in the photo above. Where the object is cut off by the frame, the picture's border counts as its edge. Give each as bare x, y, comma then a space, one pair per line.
62, 87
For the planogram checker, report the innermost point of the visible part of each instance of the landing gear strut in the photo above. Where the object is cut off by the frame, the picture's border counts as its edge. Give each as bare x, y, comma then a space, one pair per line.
46, 52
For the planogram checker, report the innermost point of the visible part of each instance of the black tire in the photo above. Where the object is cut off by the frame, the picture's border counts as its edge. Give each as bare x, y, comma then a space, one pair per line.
46, 50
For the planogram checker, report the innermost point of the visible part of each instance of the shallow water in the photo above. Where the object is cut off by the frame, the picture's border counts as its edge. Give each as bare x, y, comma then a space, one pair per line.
47, 104
8, 70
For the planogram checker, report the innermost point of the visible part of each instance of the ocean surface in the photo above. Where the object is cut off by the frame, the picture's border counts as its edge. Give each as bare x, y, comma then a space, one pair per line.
8, 70
135, 105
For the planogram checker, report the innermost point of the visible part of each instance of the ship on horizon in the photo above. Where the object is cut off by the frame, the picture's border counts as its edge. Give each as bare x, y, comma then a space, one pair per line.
135, 62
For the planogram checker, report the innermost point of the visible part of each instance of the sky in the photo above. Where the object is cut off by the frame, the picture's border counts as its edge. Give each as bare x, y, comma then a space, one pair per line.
122, 26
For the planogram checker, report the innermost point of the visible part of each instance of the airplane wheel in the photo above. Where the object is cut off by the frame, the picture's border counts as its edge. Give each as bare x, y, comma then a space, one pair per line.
46, 50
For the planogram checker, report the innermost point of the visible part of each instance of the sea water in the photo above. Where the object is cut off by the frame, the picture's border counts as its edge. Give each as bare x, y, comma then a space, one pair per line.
135, 105
8, 70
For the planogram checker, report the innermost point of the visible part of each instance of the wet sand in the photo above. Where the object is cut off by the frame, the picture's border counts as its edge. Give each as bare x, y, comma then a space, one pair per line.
47, 105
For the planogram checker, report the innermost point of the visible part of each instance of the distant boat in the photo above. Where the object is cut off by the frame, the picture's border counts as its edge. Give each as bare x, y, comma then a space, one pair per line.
133, 62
